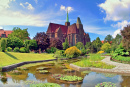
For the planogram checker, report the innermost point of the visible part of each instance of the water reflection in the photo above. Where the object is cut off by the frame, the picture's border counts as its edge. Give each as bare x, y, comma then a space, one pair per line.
90, 78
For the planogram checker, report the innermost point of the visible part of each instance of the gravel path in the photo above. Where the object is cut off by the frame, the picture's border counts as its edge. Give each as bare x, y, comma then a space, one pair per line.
119, 66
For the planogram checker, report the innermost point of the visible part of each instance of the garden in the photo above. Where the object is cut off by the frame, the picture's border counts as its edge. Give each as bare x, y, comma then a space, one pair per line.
18, 48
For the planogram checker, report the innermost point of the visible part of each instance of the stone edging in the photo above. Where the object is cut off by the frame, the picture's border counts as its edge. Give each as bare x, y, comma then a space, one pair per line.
10, 67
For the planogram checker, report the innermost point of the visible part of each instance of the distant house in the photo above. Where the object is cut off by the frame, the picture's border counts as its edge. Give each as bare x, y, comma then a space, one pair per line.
103, 41
5, 33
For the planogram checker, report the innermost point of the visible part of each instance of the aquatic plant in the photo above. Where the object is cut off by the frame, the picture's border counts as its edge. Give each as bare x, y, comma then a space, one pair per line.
16, 72
43, 71
69, 70
42, 68
106, 84
71, 78
45, 85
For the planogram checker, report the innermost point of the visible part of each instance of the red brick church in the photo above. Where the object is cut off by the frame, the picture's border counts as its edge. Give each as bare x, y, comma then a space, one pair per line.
75, 32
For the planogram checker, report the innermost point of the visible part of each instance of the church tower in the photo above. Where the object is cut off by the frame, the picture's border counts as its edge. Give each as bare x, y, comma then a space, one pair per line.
67, 23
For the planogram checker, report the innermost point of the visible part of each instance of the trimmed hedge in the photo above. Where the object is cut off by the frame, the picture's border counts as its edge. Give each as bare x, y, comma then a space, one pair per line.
9, 49
16, 49
23, 50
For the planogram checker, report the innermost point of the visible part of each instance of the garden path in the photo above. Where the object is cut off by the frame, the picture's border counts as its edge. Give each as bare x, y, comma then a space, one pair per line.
119, 66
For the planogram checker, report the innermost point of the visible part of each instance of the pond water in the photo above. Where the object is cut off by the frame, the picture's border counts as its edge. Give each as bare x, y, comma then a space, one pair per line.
90, 79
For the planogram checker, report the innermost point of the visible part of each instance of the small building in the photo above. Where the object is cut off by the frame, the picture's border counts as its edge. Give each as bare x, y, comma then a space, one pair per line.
5, 33
74, 33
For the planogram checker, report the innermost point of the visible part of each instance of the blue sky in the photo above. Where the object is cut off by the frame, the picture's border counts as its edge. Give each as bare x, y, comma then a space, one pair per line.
99, 17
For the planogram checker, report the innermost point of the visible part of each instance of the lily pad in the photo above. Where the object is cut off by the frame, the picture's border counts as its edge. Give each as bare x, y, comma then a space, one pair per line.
42, 68
43, 71
69, 70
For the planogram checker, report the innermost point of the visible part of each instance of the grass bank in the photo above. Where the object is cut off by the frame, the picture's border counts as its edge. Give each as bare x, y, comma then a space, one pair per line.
93, 61
9, 58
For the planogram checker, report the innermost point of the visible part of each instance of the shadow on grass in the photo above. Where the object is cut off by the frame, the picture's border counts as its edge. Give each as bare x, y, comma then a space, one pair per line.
11, 55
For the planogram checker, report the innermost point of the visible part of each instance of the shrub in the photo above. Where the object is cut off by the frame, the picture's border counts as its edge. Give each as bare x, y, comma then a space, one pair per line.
16, 49
72, 52
100, 52
59, 54
23, 50
9, 49
51, 50
83, 51
3, 44
88, 51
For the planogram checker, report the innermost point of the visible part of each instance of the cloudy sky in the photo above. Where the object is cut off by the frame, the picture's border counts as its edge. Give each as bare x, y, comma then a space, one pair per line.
99, 17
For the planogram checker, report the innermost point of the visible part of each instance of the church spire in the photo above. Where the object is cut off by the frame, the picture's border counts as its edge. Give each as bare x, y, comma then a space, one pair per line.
78, 21
67, 19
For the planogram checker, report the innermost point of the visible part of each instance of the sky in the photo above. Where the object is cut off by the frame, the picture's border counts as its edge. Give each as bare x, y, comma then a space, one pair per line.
99, 17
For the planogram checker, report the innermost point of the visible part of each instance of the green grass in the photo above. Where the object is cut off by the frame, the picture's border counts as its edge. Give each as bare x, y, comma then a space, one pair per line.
9, 58
93, 61
122, 59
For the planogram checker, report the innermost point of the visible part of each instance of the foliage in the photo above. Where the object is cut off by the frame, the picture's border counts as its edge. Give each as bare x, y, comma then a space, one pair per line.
23, 50
42, 40
45, 85
32, 44
100, 52
88, 45
57, 43
16, 49
72, 52
19, 33
79, 45
9, 49
3, 44
59, 54
71, 78
105, 47
51, 50
108, 38
65, 44
13, 57
98, 43
122, 59
14, 42
83, 51
106, 84
0, 38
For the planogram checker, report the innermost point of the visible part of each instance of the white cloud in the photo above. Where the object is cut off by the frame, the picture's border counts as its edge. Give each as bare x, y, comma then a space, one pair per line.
66, 8
116, 9
36, 1
27, 5
120, 26
55, 4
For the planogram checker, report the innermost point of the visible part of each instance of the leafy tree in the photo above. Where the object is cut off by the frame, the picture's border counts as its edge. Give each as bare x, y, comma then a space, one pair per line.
42, 40
88, 45
98, 43
3, 44
106, 46
65, 44
31, 44
80, 45
118, 39
108, 38
57, 43
21, 34
0, 38
126, 38
14, 42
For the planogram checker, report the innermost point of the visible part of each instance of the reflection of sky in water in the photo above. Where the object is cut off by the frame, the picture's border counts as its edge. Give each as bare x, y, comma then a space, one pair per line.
90, 80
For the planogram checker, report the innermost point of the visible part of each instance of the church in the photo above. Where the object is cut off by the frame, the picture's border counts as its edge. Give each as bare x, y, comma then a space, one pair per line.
74, 33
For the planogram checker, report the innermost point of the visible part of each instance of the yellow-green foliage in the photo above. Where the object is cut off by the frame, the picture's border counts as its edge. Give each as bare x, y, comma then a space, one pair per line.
72, 52
9, 58
100, 52
105, 46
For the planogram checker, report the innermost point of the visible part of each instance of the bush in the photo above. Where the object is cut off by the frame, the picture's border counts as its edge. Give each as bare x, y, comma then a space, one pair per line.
83, 51
100, 52
23, 50
72, 52
16, 49
88, 51
9, 49
59, 54
51, 50
3, 44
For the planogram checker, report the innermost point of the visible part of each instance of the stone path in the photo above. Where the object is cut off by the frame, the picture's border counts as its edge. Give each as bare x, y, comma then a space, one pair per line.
119, 69
119, 66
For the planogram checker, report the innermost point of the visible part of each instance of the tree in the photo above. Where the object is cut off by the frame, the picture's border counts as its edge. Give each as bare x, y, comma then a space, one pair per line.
21, 34
126, 38
31, 44
57, 43
108, 38
98, 43
105, 47
80, 45
42, 40
14, 42
65, 44
88, 45
3, 44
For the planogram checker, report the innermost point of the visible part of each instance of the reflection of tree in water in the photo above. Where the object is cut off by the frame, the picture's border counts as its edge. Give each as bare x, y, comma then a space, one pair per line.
4, 80
126, 81
41, 77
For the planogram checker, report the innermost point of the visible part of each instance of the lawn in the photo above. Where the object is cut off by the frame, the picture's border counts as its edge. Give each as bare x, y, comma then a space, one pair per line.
9, 58
93, 61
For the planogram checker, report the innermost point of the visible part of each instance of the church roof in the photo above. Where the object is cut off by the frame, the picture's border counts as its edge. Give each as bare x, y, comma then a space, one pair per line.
72, 29
52, 28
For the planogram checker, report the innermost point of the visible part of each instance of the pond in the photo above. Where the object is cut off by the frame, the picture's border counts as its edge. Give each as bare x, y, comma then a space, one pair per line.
23, 77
